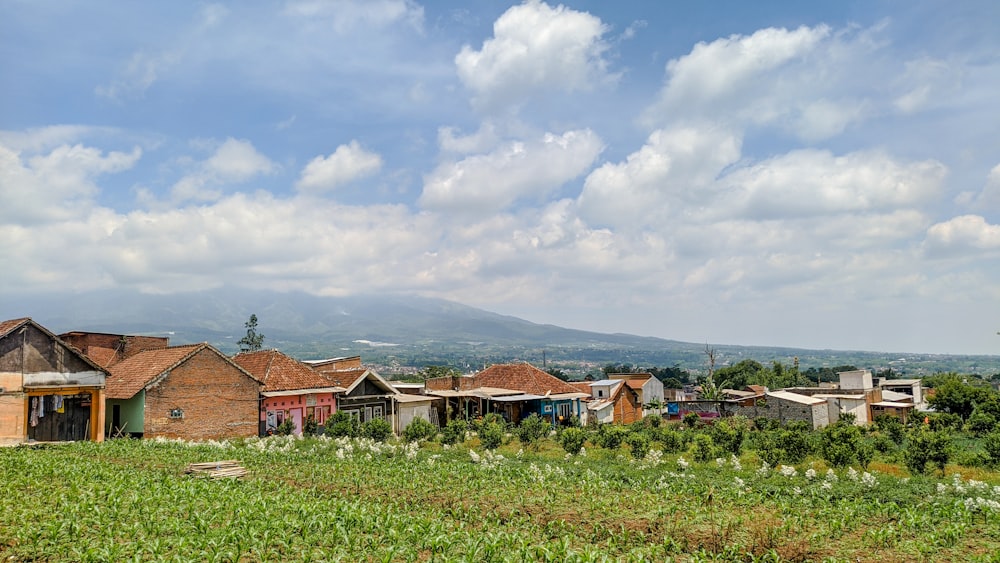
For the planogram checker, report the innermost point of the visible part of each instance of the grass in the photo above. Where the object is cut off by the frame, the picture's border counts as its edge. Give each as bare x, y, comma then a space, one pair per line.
341, 500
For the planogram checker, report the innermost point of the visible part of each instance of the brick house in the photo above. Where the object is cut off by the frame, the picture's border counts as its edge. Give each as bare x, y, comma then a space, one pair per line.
614, 401
292, 390
49, 391
107, 349
192, 392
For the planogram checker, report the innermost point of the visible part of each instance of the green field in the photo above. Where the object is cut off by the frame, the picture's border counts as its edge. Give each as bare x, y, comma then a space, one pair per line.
322, 499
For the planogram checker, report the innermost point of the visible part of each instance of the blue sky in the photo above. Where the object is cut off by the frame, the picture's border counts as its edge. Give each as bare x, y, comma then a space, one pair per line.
821, 174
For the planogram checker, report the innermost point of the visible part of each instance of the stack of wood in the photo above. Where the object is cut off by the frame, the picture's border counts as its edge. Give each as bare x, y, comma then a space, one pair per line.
216, 469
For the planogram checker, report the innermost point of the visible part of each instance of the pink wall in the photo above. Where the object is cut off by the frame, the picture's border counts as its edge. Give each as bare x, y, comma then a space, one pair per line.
298, 403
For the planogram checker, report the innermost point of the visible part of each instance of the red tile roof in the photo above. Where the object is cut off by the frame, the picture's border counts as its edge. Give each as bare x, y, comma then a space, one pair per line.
582, 386
134, 373
523, 377
280, 372
344, 377
8, 326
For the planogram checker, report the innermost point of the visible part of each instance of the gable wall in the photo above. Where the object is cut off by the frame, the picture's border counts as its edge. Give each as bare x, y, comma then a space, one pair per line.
218, 401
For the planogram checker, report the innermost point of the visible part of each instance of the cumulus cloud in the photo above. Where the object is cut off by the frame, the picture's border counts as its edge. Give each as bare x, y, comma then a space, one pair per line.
57, 185
233, 161
804, 80
668, 172
485, 183
966, 234
346, 164
535, 49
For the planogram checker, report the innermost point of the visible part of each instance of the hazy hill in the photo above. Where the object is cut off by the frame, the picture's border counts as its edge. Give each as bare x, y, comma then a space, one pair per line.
408, 330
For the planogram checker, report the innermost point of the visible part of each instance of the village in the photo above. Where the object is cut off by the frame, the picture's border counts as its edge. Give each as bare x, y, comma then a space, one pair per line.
94, 386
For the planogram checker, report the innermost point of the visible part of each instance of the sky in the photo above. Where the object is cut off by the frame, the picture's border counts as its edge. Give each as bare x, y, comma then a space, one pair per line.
802, 174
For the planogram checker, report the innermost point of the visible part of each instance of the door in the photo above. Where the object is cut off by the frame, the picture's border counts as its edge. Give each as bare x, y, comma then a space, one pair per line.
297, 420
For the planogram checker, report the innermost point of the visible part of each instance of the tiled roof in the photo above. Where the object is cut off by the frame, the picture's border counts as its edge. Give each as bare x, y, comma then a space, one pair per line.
131, 375
344, 377
7, 326
280, 372
582, 386
523, 377
102, 356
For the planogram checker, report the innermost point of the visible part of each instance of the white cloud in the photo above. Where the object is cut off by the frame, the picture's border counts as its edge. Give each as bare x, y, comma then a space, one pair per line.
535, 49
987, 200
233, 161
483, 140
348, 15
662, 178
55, 186
346, 164
927, 82
959, 236
490, 182
138, 74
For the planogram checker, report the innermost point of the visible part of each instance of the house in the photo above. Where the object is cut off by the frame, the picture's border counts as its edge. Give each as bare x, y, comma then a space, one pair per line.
292, 390
911, 387
785, 406
411, 406
648, 388
107, 349
614, 400
193, 392
49, 391
366, 395
514, 391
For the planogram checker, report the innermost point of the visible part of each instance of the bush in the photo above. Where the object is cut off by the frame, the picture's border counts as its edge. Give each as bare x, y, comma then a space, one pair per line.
728, 437
671, 440
991, 443
764, 423
611, 436
454, 432
377, 429
926, 446
343, 425
703, 449
796, 444
638, 442
944, 421
532, 429
419, 429
839, 444
980, 422
691, 419
572, 440
285, 428
768, 448
491, 434
310, 427
891, 426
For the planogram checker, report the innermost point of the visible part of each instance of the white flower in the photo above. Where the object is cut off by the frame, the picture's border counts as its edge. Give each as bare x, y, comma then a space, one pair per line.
682, 463
764, 469
740, 483
852, 474
735, 461
475, 457
942, 488
827, 485
583, 452
868, 480
520, 453
796, 490
720, 462
788, 471
831, 476
810, 473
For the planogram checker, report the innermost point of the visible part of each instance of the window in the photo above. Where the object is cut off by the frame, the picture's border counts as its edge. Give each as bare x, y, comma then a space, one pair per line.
565, 410
176, 413
600, 393
368, 414
377, 412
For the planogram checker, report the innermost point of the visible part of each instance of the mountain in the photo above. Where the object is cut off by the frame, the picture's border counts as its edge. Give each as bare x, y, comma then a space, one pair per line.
401, 330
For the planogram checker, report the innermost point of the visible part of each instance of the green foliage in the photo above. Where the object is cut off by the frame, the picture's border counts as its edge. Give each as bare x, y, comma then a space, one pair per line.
991, 445
611, 436
431, 372
343, 425
491, 434
941, 421
572, 440
454, 432
703, 448
765, 423
419, 429
558, 374
926, 446
638, 443
891, 426
840, 443
253, 341
310, 427
728, 436
377, 429
691, 419
768, 448
954, 394
285, 428
980, 422
671, 441
531, 430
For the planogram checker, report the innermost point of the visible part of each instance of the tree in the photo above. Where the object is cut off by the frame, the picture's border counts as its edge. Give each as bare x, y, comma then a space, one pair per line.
557, 373
253, 341
431, 372
953, 394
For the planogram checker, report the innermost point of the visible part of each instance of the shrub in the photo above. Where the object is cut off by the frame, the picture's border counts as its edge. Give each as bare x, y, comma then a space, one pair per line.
944, 421
572, 440
839, 444
703, 449
285, 428
764, 423
611, 436
926, 446
768, 448
796, 444
491, 434
454, 432
691, 419
670, 439
980, 422
419, 429
532, 429
342, 424
310, 427
377, 429
653, 420
991, 443
728, 437
639, 444
891, 426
